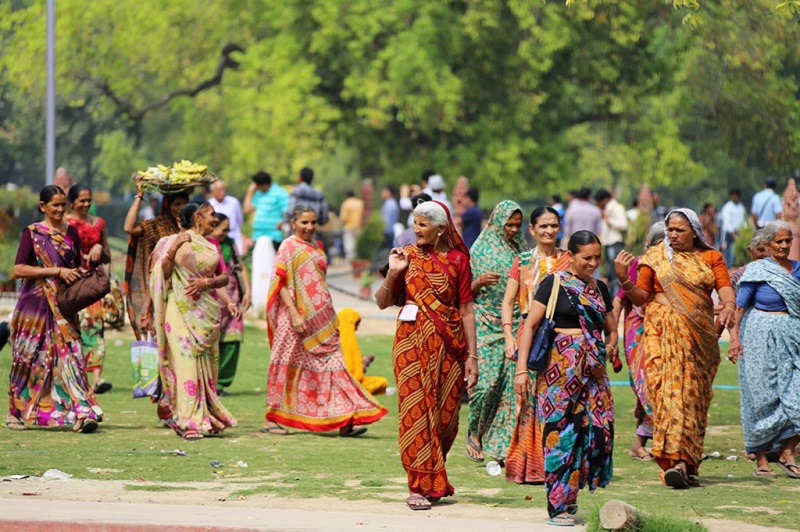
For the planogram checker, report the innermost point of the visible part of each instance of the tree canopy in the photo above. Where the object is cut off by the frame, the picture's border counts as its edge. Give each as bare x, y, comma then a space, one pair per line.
524, 98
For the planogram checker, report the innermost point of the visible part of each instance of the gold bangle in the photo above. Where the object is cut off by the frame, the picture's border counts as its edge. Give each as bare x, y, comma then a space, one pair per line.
725, 305
383, 286
517, 374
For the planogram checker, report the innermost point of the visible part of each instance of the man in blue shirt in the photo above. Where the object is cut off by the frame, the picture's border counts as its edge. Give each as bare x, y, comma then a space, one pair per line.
766, 206
471, 218
269, 202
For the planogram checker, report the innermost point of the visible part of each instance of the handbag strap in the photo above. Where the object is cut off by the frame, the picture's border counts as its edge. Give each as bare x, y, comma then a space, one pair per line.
551, 303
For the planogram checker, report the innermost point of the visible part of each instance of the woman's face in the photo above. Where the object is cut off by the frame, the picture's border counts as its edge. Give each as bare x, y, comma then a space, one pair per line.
54, 209
176, 206
586, 260
546, 228
205, 221
425, 232
760, 251
221, 231
513, 225
82, 203
680, 234
780, 245
305, 226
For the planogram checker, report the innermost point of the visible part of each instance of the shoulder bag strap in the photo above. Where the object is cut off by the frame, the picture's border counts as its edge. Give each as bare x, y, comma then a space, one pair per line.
551, 303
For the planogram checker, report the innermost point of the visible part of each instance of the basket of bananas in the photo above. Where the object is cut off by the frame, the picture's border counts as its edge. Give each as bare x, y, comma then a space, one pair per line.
179, 176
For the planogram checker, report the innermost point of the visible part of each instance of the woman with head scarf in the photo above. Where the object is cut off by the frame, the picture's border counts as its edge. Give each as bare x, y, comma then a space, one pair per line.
434, 346
349, 319
676, 279
144, 236
492, 402
769, 353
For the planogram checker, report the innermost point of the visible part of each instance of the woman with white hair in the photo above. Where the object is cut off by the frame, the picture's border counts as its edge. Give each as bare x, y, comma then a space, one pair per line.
768, 299
434, 346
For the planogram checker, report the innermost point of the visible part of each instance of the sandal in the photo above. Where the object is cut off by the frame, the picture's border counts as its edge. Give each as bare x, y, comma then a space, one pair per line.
13, 423
647, 457
351, 432
415, 501
192, 435
675, 478
476, 448
764, 472
274, 429
84, 425
561, 520
102, 387
791, 469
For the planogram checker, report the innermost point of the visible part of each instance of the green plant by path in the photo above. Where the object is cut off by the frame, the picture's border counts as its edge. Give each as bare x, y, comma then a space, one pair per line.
130, 446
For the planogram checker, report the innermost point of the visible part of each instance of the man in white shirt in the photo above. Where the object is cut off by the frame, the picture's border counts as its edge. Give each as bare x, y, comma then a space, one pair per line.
732, 217
612, 236
230, 207
766, 206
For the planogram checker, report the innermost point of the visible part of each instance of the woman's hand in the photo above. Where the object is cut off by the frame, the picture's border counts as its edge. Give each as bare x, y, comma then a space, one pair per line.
398, 260
298, 323
146, 321
511, 348
735, 350
246, 302
489, 279
622, 264
471, 368
181, 239
68, 275
522, 383
96, 253
233, 308
137, 180
726, 317
194, 287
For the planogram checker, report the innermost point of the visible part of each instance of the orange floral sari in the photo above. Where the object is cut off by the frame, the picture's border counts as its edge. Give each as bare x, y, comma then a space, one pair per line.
683, 355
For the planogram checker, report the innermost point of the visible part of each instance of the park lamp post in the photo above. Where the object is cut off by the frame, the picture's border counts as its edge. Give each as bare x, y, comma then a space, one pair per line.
50, 126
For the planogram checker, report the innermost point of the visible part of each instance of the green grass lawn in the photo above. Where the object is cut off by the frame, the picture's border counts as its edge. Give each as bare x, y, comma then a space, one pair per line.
131, 446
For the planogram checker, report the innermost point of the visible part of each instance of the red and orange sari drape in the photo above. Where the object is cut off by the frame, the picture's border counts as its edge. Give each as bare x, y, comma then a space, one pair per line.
682, 355
428, 358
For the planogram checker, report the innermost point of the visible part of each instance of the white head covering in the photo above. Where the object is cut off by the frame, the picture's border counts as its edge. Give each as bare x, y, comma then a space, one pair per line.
694, 222
436, 183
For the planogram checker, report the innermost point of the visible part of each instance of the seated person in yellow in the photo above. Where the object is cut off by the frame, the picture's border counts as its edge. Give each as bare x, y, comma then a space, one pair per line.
348, 323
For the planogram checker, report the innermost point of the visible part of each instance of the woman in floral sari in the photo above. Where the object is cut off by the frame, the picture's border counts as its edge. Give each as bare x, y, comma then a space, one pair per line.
144, 236
769, 353
676, 279
435, 340
635, 355
492, 402
308, 386
525, 460
187, 271
48, 385
94, 253
573, 395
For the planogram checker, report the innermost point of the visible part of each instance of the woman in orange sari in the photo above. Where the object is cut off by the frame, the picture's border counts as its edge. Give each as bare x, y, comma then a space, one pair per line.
308, 386
676, 279
435, 343
525, 459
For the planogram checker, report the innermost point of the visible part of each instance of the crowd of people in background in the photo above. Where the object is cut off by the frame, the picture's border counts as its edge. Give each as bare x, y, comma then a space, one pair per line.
475, 293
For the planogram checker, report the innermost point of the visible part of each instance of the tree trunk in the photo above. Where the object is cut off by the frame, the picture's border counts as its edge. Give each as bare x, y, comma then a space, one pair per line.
618, 515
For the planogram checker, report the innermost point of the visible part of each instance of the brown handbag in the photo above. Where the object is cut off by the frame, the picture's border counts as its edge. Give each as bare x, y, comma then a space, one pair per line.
91, 287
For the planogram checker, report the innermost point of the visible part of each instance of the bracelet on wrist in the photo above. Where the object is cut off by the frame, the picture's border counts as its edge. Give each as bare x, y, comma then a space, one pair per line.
507, 323
384, 287
524, 372
733, 307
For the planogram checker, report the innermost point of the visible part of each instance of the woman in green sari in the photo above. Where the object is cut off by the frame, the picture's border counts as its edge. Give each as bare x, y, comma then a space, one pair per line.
492, 402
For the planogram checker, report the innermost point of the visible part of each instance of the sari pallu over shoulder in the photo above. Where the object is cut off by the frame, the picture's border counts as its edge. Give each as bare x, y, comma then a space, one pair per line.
683, 355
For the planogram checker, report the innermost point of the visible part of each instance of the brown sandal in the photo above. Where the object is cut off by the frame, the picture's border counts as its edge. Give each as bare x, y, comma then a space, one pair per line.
13, 423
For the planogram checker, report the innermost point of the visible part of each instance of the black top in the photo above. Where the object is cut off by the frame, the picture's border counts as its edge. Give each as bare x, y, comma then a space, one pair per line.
565, 315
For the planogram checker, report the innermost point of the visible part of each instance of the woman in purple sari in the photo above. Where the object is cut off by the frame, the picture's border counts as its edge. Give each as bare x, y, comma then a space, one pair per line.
48, 385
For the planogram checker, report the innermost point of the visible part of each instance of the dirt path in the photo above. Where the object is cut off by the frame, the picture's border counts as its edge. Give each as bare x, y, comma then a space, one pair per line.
84, 505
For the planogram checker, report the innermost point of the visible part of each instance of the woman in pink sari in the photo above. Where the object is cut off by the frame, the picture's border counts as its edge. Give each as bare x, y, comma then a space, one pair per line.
308, 385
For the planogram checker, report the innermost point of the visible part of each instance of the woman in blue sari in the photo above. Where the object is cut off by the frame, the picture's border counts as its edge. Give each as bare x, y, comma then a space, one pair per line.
768, 296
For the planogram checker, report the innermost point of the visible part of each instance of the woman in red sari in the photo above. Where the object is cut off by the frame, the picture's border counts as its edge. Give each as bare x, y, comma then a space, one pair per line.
308, 386
94, 253
434, 345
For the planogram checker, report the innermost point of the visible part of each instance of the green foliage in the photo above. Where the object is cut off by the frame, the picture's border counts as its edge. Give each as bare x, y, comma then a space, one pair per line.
370, 239
740, 253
